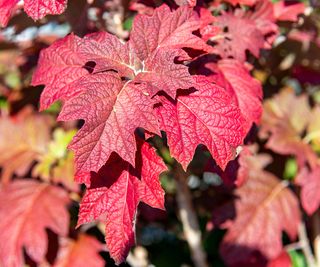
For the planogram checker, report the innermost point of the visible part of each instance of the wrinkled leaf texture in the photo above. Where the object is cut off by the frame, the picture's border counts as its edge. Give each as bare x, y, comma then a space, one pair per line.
36, 9
245, 90
116, 191
114, 105
117, 87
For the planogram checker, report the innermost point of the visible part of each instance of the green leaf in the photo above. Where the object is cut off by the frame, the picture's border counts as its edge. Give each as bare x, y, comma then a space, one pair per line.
127, 25
298, 259
290, 169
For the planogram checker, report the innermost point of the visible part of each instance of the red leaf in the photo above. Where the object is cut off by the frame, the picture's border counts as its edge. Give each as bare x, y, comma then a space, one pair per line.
190, 3
204, 117
240, 34
116, 191
283, 10
80, 253
162, 74
36, 9
62, 59
165, 29
241, 2
283, 260
6, 9
265, 207
310, 191
243, 31
114, 112
29, 208
247, 90
263, 16
81, 72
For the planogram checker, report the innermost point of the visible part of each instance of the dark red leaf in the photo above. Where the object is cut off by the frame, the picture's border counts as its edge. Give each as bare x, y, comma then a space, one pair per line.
116, 191
111, 117
110, 84
207, 117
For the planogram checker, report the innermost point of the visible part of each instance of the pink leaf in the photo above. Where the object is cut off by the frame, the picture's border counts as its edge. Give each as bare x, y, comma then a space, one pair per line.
190, 3
241, 2
264, 207
244, 31
283, 10
79, 253
240, 34
310, 191
29, 208
247, 90
166, 29
6, 9
36, 9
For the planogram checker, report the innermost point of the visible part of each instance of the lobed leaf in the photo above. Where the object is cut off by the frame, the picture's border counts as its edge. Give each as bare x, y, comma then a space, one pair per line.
33, 207
116, 191
265, 207
207, 117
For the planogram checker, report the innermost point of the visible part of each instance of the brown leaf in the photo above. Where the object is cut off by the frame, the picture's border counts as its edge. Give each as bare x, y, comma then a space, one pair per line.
23, 139
284, 120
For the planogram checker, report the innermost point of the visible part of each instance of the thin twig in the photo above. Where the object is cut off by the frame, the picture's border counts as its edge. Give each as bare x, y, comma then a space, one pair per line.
306, 249
188, 217
293, 246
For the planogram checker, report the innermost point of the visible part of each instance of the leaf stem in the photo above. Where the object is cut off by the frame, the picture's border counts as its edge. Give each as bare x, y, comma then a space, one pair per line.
188, 217
306, 249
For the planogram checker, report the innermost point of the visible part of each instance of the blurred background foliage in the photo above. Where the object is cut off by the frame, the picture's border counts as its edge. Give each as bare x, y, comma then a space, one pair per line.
33, 145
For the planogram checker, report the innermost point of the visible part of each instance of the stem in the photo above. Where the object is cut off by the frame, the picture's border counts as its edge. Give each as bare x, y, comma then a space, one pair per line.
306, 249
188, 217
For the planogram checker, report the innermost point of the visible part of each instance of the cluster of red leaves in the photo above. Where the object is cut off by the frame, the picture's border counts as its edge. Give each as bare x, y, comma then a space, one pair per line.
114, 87
183, 72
